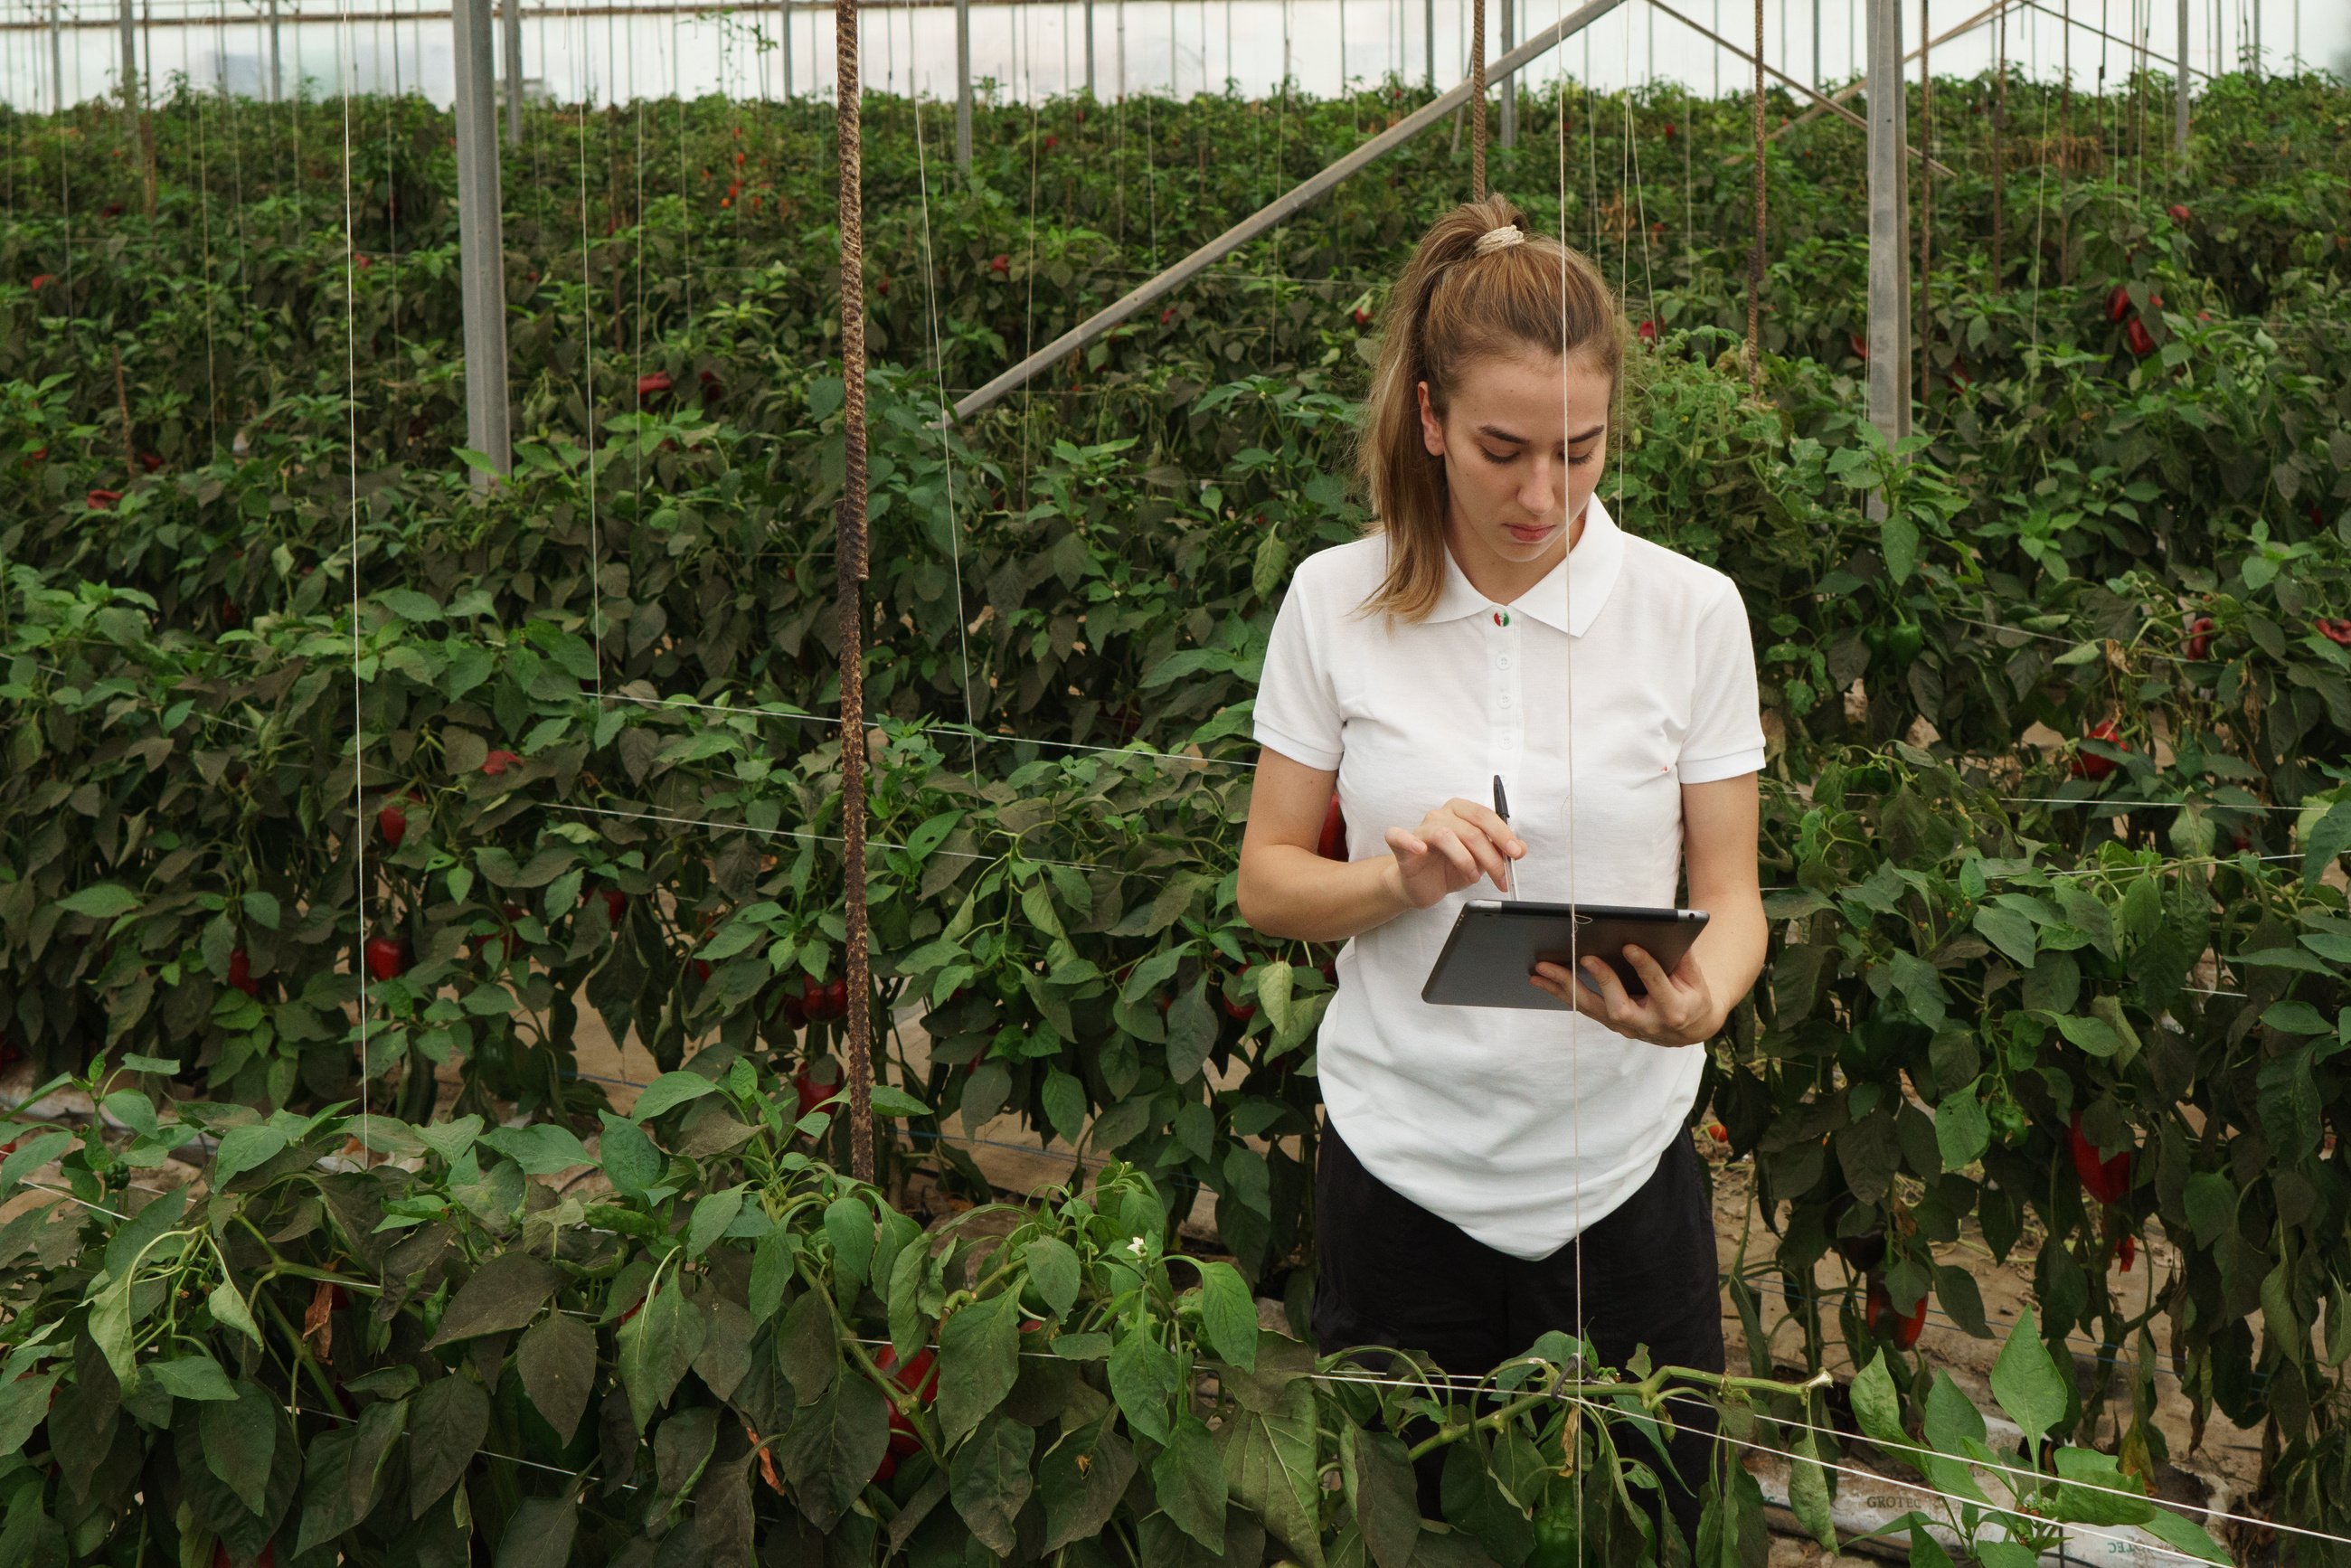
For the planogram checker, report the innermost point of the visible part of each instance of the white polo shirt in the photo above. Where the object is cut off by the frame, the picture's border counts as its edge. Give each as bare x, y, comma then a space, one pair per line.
1520, 1126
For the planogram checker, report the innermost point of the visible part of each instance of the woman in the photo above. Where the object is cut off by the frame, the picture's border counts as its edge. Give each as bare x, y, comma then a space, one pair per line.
1483, 1166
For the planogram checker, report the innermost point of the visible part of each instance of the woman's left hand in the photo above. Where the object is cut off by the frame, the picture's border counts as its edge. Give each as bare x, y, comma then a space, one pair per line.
1678, 1009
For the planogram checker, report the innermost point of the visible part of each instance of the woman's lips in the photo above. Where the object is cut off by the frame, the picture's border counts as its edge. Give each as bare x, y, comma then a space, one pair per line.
1530, 536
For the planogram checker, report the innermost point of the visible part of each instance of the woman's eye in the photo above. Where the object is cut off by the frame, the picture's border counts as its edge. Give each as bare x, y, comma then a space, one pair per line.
1579, 460
1497, 456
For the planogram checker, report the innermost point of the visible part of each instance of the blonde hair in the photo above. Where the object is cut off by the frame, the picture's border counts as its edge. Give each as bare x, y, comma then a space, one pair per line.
1469, 292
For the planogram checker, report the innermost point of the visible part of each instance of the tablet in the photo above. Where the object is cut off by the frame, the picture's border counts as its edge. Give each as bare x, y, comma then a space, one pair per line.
1495, 944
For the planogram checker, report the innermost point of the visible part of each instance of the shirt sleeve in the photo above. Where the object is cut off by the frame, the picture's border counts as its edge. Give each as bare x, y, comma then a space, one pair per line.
1297, 711
1726, 730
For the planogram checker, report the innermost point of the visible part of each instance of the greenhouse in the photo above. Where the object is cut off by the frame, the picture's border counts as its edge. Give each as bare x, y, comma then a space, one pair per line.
651, 652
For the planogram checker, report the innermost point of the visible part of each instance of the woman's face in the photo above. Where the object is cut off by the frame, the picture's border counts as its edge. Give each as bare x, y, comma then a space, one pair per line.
1523, 448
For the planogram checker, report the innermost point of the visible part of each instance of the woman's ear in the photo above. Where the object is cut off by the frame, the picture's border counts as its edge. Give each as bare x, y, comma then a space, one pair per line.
1432, 430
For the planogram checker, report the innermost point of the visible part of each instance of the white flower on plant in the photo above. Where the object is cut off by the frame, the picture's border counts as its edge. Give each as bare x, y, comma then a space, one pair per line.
1139, 1247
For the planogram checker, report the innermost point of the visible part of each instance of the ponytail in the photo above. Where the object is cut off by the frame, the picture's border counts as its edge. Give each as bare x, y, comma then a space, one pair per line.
1469, 292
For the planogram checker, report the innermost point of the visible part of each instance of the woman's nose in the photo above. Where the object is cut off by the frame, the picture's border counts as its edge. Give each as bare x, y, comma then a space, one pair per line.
1541, 494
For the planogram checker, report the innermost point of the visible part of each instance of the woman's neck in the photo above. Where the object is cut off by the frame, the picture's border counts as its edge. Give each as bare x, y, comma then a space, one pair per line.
1502, 581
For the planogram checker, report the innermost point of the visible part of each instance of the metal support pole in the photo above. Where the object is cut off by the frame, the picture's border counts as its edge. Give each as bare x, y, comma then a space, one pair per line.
1429, 28
56, 63
130, 61
481, 240
1509, 126
963, 85
1889, 227
2179, 90
1816, 43
786, 10
1122, 52
1090, 42
511, 13
277, 69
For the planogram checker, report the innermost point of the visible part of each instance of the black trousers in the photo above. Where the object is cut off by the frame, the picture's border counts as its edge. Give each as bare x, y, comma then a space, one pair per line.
1390, 1273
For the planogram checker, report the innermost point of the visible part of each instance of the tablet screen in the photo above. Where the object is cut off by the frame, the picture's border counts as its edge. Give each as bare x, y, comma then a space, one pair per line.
1495, 945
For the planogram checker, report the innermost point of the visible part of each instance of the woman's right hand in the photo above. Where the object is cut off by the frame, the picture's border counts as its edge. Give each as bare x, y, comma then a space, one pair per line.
1458, 843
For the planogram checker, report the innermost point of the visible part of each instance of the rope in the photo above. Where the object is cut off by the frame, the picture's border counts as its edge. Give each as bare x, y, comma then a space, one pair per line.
1999, 164
1477, 99
851, 577
1755, 257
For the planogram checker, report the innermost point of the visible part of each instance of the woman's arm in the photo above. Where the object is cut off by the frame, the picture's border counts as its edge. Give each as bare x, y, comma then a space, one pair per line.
1285, 888
1690, 1006
1718, 851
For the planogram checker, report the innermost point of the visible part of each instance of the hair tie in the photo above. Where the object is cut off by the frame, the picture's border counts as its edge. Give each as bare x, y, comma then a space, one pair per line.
1495, 239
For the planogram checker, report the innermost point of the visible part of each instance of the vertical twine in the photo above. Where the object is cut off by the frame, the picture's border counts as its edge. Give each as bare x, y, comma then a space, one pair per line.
2065, 140
1926, 203
1477, 99
850, 560
2000, 165
1755, 257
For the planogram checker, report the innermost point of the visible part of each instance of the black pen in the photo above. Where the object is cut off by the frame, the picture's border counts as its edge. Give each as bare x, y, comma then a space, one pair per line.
1502, 809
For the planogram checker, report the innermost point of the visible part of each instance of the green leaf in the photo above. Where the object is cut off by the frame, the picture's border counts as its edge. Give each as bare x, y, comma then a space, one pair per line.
628, 1158
1065, 1105
667, 1092
407, 603
1053, 1270
261, 908
447, 1420
888, 1100
344, 1468
832, 1447
2027, 1383
1080, 1481
1808, 1490
979, 1358
1898, 542
1142, 1379
556, 1361
1270, 1461
989, 1481
245, 1148
1878, 1407
1189, 1480
849, 1226
713, 1213
24, 1402
504, 1294
103, 901
1962, 1130
1377, 1469
656, 1347
541, 1149
2013, 934
33, 1151
240, 1439
540, 1533
191, 1377
2186, 1534
1228, 1315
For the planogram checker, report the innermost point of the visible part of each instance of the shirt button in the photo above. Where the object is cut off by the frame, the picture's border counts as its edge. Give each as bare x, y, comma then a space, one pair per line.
1501, 661
1506, 699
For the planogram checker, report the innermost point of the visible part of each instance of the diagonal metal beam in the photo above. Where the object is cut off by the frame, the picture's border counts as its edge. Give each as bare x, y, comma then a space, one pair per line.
1266, 218
1853, 90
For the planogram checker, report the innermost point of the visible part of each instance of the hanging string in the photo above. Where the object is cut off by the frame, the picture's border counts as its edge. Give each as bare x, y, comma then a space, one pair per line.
1477, 99
1755, 257
851, 577
2000, 162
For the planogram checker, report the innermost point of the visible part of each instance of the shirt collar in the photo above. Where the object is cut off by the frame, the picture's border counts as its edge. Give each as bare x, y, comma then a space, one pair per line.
1596, 560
